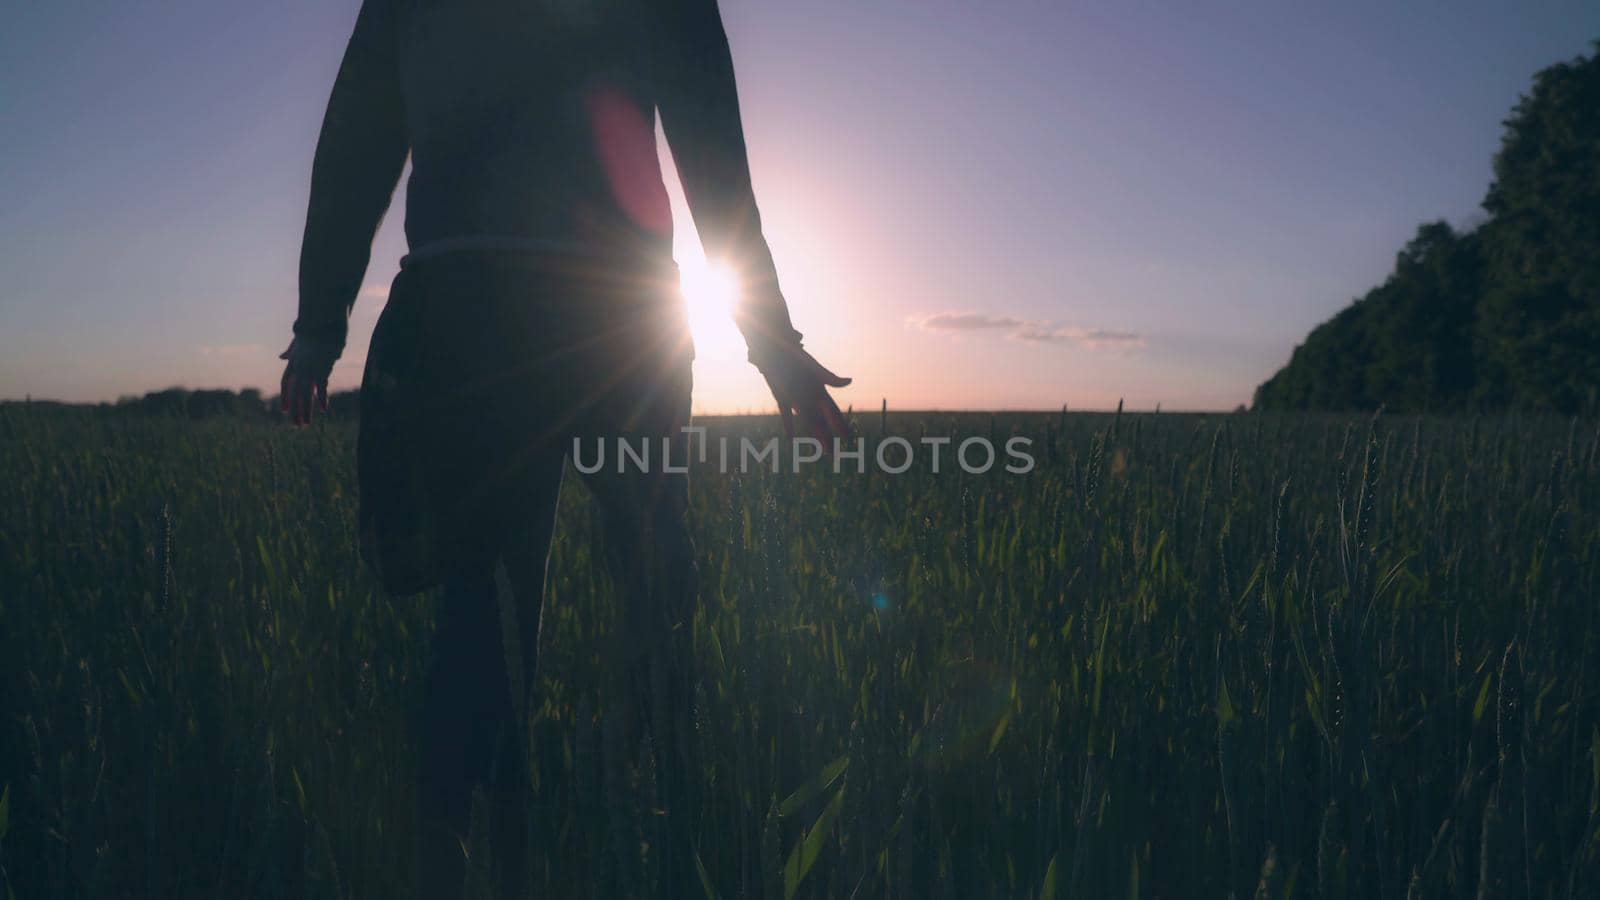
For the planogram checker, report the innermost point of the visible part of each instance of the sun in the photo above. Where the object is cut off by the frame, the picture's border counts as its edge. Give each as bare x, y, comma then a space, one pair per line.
710, 292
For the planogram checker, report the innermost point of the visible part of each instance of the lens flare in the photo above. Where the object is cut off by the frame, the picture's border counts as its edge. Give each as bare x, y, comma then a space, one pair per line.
710, 292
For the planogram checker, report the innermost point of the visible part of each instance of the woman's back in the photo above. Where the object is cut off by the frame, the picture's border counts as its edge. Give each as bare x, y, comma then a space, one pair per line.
531, 121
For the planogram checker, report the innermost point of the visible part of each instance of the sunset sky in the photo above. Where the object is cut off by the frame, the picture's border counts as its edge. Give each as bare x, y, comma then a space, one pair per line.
998, 204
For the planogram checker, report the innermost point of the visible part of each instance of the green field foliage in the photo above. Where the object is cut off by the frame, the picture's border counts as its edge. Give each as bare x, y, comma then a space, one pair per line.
1260, 654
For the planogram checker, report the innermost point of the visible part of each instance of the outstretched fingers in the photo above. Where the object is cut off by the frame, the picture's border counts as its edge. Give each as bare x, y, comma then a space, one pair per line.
801, 389
821, 419
839, 425
832, 380
827, 376
786, 413
300, 397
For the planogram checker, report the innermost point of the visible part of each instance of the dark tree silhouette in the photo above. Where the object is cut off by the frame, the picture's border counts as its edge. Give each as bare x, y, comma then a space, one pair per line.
1507, 314
196, 404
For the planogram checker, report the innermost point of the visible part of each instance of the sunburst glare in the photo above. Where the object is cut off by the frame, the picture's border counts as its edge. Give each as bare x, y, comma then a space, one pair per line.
710, 291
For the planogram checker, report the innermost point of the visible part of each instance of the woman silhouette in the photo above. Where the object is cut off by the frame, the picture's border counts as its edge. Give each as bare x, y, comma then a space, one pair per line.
537, 304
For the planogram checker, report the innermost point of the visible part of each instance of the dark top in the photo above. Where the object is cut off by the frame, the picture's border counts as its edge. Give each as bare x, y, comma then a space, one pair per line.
531, 124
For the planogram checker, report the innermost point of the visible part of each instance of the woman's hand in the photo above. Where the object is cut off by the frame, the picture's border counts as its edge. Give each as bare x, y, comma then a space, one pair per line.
800, 385
303, 392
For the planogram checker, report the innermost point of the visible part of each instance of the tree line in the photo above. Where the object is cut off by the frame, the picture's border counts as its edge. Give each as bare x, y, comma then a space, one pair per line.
1506, 314
202, 403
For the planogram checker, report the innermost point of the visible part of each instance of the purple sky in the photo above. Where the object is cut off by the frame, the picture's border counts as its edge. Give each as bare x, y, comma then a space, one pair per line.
998, 204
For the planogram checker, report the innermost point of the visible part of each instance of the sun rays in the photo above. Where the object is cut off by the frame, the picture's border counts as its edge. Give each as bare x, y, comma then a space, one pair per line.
710, 292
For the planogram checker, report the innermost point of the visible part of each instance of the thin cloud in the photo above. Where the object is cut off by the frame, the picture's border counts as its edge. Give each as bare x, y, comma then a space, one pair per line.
967, 321
1092, 338
1033, 331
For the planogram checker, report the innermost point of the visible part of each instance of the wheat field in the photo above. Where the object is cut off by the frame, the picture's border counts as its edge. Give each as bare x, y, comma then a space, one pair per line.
1186, 656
